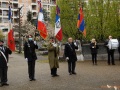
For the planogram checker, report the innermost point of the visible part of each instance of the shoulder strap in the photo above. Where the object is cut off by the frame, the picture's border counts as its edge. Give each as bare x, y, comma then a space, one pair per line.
3, 55
70, 46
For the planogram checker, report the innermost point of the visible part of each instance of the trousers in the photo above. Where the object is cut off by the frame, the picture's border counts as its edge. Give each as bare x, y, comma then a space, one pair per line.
31, 69
3, 74
71, 66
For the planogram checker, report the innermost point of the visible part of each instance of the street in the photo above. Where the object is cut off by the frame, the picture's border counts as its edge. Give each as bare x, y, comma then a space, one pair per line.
89, 77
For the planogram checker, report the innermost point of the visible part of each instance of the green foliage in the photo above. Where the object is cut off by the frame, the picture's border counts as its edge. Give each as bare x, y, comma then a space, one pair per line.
102, 18
29, 16
1, 35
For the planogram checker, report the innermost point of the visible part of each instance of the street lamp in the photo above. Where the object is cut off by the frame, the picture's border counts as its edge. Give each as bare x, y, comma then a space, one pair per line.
19, 29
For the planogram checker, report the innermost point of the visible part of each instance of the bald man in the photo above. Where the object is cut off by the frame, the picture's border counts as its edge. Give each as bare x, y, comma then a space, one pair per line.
70, 55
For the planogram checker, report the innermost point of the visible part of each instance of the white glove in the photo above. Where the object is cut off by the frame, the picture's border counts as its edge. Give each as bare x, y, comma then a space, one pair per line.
75, 43
55, 45
26, 59
7, 64
58, 57
35, 42
67, 58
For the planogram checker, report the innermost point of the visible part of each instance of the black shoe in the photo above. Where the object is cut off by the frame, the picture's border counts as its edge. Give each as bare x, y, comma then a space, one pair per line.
34, 79
113, 64
6, 84
108, 63
74, 73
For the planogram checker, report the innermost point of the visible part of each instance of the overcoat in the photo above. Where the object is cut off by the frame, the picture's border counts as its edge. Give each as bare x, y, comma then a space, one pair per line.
6, 52
94, 48
70, 52
29, 50
53, 53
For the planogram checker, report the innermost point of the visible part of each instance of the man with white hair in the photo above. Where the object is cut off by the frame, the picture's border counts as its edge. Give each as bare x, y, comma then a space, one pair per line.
110, 52
70, 55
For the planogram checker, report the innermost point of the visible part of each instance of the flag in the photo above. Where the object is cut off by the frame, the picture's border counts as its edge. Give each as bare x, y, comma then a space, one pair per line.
81, 22
11, 41
40, 25
58, 29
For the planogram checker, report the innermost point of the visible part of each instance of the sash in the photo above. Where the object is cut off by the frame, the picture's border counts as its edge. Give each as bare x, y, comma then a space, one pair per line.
3, 56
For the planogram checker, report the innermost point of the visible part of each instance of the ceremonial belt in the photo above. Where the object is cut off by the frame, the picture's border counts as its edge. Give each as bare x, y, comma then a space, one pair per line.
4, 56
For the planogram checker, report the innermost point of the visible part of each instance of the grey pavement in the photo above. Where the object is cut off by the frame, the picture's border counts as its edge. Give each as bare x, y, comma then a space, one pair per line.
89, 77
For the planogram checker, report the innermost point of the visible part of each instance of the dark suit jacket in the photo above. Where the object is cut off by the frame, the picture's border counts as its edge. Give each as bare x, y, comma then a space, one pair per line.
6, 52
29, 50
119, 48
70, 52
95, 49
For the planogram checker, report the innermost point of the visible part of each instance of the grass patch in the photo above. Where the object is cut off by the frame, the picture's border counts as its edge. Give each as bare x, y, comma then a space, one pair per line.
43, 61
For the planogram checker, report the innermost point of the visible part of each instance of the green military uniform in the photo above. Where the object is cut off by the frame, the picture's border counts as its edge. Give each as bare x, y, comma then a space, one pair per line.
53, 53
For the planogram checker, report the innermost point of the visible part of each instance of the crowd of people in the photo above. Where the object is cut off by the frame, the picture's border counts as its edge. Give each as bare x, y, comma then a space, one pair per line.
53, 56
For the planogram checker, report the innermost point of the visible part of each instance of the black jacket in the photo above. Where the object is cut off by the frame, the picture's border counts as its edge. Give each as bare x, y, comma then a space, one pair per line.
94, 48
119, 47
70, 52
29, 50
6, 52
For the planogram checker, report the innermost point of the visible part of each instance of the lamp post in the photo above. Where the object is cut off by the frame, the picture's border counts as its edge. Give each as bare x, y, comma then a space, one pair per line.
19, 29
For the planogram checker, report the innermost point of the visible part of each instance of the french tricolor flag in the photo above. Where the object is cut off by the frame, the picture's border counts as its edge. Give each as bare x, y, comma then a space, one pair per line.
11, 41
40, 25
58, 29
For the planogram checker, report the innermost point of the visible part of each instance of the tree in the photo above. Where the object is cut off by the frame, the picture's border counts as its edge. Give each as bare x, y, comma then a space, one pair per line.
102, 18
68, 16
29, 16
1, 35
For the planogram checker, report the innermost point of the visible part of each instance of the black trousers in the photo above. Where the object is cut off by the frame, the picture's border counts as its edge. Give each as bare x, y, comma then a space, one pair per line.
71, 66
94, 58
31, 69
53, 71
111, 57
3, 74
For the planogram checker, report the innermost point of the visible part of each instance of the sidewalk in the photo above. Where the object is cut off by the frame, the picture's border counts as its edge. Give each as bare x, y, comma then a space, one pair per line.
88, 77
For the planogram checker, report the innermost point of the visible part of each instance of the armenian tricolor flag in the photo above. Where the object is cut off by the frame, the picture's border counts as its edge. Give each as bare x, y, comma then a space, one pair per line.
81, 22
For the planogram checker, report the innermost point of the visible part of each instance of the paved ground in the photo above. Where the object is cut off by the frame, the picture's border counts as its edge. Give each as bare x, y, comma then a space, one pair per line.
88, 77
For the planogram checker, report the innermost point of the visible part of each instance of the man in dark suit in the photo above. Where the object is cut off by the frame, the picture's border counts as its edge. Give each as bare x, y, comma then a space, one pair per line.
30, 56
4, 57
110, 52
70, 55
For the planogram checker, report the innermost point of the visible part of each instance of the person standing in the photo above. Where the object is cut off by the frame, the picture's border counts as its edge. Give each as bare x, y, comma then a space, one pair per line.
53, 52
70, 55
4, 58
94, 48
110, 52
30, 56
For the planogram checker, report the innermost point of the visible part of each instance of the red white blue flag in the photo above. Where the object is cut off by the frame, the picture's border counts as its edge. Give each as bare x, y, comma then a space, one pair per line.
11, 41
58, 29
40, 25
81, 22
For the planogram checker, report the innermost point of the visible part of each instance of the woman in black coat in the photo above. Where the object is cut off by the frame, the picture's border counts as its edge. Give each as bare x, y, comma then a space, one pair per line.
94, 48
